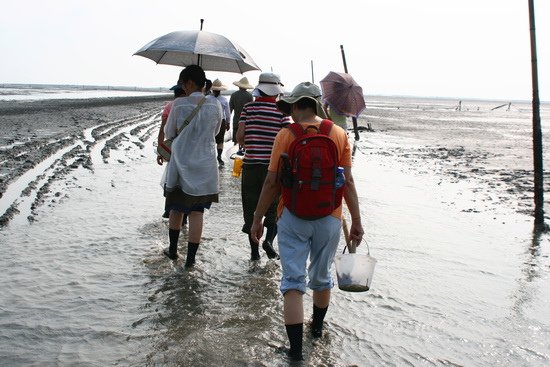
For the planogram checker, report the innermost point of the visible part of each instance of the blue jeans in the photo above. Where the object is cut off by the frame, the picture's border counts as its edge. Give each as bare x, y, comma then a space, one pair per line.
299, 239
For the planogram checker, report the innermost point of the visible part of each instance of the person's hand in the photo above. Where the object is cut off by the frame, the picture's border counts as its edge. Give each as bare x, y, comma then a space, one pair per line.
160, 160
356, 232
257, 230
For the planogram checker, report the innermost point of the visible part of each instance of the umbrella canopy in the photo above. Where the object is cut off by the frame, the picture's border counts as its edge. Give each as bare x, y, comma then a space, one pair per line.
343, 94
211, 51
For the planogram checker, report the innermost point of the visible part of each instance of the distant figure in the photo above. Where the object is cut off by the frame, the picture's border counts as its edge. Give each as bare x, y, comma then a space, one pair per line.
336, 117
307, 247
259, 123
192, 176
217, 87
236, 103
207, 87
178, 92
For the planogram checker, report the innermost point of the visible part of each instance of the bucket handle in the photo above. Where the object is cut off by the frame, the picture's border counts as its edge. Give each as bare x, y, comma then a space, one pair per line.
351, 246
363, 240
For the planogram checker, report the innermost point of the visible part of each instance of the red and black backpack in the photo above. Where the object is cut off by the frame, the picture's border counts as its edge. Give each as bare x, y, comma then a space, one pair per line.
308, 175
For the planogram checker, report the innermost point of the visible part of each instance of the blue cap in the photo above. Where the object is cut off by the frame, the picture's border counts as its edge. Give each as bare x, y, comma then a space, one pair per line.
176, 87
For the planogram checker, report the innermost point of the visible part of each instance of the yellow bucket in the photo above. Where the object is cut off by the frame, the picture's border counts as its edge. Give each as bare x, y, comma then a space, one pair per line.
237, 166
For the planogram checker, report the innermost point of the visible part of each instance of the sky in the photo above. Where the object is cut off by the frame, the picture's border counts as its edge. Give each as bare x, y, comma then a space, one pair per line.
430, 48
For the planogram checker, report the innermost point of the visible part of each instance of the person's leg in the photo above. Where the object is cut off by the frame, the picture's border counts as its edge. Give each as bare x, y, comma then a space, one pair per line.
220, 150
321, 300
294, 322
219, 144
323, 248
270, 221
267, 245
250, 192
254, 249
174, 225
294, 247
195, 219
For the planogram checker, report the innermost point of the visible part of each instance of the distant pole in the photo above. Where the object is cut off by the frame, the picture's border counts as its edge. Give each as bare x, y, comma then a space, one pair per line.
354, 119
312, 74
199, 56
537, 131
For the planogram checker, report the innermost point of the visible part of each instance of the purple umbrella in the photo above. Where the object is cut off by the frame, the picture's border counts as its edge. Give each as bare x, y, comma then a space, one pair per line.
343, 94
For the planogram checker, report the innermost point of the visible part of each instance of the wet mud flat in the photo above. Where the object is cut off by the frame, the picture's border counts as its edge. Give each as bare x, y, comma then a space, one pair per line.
32, 131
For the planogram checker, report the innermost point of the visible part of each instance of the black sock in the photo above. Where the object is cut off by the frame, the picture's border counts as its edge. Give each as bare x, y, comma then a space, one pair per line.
191, 252
173, 235
220, 153
271, 232
295, 333
317, 321
267, 245
254, 251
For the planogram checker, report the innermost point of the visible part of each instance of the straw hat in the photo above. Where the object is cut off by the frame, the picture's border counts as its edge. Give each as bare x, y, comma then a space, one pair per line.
270, 84
218, 85
243, 83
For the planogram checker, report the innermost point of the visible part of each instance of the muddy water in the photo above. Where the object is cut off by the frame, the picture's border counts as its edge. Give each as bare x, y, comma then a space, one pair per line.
461, 279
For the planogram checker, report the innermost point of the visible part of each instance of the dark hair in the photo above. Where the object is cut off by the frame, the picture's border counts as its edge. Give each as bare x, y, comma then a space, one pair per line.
179, 92
305, 103
194, 73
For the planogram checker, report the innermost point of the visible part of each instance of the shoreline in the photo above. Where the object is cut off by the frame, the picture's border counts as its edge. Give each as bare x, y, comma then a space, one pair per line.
32, 131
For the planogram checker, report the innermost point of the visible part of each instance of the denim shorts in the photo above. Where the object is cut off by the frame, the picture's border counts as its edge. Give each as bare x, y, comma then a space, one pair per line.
299, 239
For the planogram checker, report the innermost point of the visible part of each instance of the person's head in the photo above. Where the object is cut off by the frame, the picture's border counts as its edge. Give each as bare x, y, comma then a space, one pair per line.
207, 87
217, 87
243, 83
305, 97
192, 78
178, 91
269, 84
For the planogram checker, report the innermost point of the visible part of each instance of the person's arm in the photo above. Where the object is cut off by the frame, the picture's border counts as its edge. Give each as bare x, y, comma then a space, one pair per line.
270, 191
240, 133
160, 137
352, 201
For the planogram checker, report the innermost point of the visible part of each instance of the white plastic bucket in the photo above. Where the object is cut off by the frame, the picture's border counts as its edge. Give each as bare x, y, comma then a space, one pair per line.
354, 272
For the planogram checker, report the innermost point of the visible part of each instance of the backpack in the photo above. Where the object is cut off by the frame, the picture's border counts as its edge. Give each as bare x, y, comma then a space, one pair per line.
308, 175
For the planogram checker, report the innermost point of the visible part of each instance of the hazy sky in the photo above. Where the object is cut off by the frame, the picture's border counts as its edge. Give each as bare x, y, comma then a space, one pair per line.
447, 48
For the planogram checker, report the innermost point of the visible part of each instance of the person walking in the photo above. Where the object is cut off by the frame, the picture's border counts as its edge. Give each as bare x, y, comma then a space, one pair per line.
301, 238
236, 103
178, 92
260, 121
217, 87
192, 177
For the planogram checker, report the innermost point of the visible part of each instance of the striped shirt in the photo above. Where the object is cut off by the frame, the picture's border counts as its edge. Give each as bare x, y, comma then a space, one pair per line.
262, 121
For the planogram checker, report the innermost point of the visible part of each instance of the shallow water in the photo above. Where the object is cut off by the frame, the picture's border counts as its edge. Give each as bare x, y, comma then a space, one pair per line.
461, 278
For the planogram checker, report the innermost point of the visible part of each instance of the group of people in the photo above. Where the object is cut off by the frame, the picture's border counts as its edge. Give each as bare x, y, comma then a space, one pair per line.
195, 122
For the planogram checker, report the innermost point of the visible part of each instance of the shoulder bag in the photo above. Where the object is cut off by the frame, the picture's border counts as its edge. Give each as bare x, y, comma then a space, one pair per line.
164, 149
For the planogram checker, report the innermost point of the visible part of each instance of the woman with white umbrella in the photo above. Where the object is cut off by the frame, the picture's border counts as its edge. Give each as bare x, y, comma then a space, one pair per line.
192, 177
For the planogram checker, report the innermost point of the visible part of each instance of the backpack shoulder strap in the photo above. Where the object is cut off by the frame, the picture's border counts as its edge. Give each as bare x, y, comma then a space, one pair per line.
325, 127
296, 129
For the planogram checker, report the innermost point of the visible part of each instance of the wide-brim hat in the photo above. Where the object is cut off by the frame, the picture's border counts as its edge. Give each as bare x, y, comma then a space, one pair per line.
243, 83
218, 85
302, 90
270, 84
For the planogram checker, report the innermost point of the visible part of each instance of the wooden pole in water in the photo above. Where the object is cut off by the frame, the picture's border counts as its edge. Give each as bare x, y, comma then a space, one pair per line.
354, 119
537, 131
